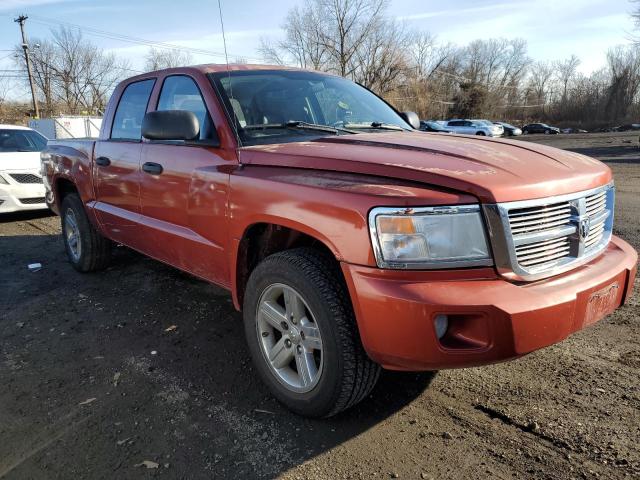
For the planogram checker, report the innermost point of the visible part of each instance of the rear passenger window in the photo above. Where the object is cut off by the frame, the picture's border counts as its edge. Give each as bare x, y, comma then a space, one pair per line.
127, 122
180, 92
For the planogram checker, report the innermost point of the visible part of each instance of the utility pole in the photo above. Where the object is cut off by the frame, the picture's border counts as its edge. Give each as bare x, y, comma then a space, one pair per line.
25, 46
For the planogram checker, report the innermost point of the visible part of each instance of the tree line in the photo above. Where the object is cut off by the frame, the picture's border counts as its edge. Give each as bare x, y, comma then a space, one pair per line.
492, 78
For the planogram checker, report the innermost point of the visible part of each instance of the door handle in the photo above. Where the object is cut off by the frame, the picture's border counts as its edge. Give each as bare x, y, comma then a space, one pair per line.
103, 161
152, 168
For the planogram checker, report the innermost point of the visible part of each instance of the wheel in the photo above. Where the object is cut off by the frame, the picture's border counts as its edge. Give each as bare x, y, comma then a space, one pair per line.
547, 132
87, 250
525, 132
482, 134
302, 335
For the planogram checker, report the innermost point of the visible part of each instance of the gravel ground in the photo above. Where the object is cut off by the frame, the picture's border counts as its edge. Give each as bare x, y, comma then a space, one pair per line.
141, 363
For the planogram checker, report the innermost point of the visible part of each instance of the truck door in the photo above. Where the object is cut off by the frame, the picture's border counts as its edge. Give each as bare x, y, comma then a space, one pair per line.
117, 166
183, 190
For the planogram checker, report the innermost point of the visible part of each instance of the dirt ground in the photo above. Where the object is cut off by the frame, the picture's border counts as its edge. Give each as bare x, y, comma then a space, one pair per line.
95, 380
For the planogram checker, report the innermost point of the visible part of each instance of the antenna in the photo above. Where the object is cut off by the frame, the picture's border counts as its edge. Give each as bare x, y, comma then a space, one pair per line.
226, 57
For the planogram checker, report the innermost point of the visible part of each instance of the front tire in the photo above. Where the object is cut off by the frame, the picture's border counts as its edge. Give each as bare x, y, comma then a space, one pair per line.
87, 250
302, 334
481, 134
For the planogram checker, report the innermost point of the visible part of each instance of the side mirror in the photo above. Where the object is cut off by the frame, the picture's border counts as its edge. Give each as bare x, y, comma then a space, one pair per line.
171, 125
412, 119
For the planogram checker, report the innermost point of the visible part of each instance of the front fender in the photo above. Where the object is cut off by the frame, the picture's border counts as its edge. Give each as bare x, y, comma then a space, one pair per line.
328, 206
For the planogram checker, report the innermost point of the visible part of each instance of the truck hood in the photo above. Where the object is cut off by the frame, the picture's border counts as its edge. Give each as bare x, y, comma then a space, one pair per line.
492, 170
19, 161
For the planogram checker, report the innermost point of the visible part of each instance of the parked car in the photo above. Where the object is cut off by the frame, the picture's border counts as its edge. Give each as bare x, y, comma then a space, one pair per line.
349, 241
509, 130
432, 126
540, 128
21, 186
475, 127
626, 128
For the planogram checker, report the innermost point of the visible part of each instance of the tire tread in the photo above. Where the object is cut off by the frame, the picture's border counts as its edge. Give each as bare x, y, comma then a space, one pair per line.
99, 247
360, 373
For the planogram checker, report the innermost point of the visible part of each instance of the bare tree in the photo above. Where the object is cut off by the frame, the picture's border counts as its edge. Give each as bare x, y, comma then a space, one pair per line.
381, 61
333, 35
303, 43
426, 55
566, 71
157, 59
71, 74
624, 65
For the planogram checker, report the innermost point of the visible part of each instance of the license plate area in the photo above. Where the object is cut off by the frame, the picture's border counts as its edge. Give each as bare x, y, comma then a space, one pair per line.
602, 302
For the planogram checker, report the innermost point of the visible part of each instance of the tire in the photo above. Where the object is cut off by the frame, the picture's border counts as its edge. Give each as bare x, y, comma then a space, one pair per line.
87, 250
547, 132
340, 373
481, 134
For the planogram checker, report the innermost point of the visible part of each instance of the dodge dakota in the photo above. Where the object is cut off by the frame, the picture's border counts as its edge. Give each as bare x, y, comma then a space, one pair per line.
349, 240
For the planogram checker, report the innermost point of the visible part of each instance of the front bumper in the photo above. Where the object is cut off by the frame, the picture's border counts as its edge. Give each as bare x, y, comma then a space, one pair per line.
16, 196
490, 319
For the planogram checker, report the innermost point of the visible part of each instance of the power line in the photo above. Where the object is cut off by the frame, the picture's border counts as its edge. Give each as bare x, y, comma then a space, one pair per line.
130, 39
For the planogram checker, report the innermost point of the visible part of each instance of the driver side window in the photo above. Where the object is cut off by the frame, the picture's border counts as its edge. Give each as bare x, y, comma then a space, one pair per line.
180, 92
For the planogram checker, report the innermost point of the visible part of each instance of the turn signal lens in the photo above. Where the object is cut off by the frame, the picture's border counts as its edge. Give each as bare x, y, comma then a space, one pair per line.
396, 225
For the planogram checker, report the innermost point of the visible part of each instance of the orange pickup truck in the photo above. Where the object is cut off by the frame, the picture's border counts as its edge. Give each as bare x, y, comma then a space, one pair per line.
350, 240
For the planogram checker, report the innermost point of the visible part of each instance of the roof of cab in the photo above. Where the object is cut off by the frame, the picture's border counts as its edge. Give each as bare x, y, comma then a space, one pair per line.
217, 68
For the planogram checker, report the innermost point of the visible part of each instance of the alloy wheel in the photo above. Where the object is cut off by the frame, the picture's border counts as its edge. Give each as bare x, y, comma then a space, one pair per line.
289, 338
72, 234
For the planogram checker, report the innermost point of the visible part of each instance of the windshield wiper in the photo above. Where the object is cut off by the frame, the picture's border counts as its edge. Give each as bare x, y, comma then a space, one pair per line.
376, 125
298, 124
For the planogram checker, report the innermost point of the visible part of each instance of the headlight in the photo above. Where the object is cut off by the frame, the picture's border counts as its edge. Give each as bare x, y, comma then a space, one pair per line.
429, 237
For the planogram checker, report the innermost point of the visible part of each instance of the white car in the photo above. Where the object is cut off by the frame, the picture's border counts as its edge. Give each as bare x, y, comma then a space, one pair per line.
21, 186
475, 127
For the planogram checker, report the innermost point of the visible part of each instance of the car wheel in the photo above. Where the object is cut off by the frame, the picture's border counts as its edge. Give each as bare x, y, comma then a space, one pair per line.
547, 132
482, 134
87, 250
302, 334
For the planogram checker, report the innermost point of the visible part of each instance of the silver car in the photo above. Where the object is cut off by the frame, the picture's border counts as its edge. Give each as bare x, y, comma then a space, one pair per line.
475, 127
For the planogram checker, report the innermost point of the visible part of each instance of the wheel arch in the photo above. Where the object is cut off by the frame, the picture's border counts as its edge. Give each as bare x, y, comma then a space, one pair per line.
263, 238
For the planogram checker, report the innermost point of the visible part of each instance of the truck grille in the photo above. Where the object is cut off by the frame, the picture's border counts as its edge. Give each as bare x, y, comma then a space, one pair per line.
26, 178
32, 200
539, 238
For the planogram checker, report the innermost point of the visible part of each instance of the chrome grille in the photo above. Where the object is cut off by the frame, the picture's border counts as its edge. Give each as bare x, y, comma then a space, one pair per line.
540, 253
26, 178
539, 238
537, 219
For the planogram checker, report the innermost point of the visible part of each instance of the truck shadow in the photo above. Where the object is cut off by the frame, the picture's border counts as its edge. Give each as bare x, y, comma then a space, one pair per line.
197, 399
25, 216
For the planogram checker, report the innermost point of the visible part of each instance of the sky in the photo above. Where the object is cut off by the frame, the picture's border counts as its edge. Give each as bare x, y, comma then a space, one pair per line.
554, 29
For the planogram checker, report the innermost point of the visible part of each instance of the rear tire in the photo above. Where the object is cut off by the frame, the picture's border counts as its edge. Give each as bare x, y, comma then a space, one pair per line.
341, 373
86, 249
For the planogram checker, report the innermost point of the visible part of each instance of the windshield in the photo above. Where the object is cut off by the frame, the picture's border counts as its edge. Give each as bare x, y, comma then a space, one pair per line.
273, 106
18, 140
